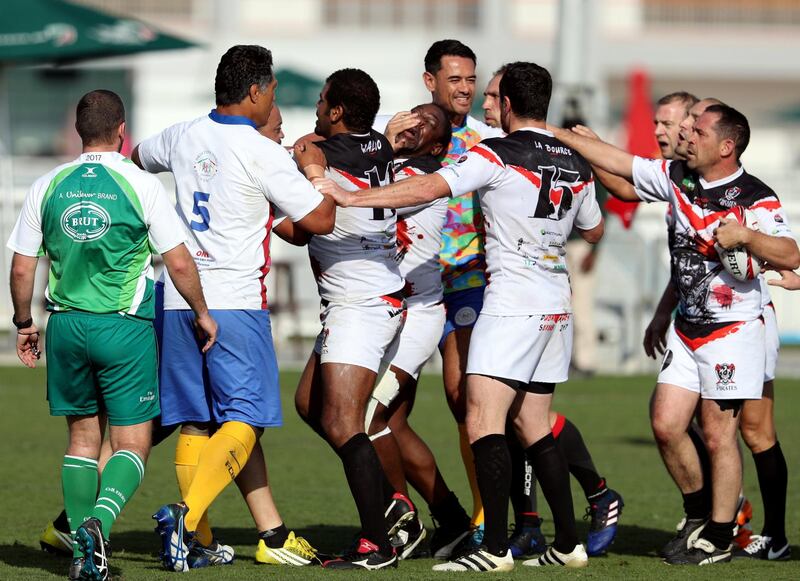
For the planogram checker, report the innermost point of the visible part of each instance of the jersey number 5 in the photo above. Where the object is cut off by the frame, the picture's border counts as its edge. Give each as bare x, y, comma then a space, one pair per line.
202, 211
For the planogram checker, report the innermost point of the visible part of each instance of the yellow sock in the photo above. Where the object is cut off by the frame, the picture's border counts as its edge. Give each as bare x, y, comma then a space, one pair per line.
469, 465
187, 453
220, 462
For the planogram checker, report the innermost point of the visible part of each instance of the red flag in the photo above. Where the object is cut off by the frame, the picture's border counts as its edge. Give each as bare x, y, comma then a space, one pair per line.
641, 139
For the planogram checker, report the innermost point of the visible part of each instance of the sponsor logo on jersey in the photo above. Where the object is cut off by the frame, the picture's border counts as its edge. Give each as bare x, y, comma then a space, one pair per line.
462, 159
90, 172
729, 197
85, 221
205, 165
688, 184
149, 396
725, 372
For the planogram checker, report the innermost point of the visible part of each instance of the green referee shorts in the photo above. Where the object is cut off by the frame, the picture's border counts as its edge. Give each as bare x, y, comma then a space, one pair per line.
102, 363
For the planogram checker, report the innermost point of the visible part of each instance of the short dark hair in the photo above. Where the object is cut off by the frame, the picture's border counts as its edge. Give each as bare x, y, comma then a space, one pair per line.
686, 99
731, 125
356, 92
528, 86
241, 67
447, 47
98, 115
500, 71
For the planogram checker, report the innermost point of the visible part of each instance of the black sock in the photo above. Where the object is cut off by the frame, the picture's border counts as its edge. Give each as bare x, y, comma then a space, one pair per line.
719, 533
523, 482
274, 538
61, 523
697, 505
493, 473
449, 512
387, 489
578, 458
551, 470
362, 467
773, 479
705, 462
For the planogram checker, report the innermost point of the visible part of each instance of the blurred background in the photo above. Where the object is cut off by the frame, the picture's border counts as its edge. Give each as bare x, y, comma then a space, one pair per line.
612, 59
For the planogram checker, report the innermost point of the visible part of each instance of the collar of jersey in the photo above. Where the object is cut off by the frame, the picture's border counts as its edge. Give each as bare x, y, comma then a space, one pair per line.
218, 117
722, 181
536, 130
115, 154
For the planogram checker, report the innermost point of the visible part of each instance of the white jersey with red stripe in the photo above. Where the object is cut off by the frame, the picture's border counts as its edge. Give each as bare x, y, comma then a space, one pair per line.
532, 190
229, 180
708, 293
356, 261
419, 237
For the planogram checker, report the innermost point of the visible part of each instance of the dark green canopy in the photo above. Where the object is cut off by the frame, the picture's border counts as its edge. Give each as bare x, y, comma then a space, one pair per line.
55, 31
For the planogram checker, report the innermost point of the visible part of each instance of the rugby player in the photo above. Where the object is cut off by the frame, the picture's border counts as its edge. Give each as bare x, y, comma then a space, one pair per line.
229, 181
757, 423
419, 233
521, 349
99, 218
713, 345
605, 504
450, 78
362, 310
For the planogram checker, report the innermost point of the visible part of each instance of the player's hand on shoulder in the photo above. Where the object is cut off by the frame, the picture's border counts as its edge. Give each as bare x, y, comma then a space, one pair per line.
206, 328
789, 280
330, 188
399, 123
584, 131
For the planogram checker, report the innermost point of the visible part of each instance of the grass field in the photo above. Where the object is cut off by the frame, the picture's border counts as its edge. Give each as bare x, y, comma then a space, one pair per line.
313, 497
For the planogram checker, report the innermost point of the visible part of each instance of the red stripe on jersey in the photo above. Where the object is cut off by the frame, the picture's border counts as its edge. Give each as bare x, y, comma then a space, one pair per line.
410, 171
485, 153
360, 184
767, 205
580, 187
535, 179
267, 259
394, 301
558, 425
695, 344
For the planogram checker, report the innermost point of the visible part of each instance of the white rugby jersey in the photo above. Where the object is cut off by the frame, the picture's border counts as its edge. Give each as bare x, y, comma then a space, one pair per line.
230, 182
708, 293
532, 190
419, 237
357, 260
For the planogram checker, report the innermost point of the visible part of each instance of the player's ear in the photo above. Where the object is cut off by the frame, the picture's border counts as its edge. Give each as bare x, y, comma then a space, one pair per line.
437, 149
429, 80
254, 93
727, 148
336, 113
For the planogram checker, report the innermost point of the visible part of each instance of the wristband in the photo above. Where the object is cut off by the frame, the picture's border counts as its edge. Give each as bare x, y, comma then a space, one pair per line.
22, 324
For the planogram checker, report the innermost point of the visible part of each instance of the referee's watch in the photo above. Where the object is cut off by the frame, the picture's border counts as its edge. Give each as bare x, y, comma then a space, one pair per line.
22, 324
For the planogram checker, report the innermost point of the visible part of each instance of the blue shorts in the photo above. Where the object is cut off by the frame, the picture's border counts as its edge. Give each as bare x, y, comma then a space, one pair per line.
461, 310
237, 380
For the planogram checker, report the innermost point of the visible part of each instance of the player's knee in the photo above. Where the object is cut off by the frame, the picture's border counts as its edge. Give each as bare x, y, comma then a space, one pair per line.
339, 427
665, 430
756, 437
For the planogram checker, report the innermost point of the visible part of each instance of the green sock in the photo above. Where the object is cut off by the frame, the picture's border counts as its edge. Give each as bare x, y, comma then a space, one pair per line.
79, 483
121, 477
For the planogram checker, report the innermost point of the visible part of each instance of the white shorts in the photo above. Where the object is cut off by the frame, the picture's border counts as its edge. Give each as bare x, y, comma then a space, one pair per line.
728, 366
418, 340
528, 348
359, 333
773, 342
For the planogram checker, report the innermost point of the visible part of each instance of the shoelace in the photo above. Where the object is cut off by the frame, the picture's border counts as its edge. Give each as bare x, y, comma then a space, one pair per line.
304, 545
757, 543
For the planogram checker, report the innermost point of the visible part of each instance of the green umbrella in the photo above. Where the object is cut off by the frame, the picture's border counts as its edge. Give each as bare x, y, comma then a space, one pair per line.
54, 31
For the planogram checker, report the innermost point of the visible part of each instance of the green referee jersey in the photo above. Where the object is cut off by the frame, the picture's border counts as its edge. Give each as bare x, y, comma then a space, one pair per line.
98, 219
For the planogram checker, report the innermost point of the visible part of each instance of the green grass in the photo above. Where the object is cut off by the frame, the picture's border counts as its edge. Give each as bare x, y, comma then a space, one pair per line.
313, 497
